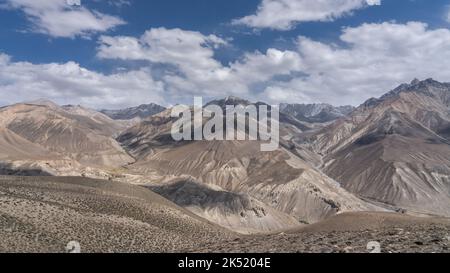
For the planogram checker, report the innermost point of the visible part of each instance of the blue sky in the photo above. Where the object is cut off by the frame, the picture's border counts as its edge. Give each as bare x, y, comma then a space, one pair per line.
304, 51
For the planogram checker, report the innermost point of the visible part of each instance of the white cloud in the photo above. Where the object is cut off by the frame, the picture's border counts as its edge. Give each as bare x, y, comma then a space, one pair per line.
258, 67
68, 83
373, 2
186, 49
374, 59
371, 60
284, 14
74, 2
198, 72
59, 19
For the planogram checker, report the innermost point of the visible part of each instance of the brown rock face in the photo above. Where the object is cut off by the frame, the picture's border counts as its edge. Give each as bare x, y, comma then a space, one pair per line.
284, 185
394, 150
45, 132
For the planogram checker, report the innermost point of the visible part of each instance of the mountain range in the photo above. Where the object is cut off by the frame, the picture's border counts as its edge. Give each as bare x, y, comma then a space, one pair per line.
390, 154
316, 113
46, 138
395, 149
139, 112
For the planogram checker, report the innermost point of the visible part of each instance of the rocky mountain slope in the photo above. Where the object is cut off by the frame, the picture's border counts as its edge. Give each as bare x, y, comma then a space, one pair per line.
47, 214
238, 211
111, 127
139, 112
394, 150
316, 113
53, 137
390, 153
280, 180
360, 232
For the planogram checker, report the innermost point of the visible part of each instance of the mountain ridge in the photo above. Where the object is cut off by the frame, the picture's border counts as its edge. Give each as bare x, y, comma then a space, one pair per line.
139, 112
395, 150
316, 113
390, 153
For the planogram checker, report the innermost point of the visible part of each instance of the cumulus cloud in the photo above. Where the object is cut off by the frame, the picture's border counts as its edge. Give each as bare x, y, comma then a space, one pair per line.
70, 83
198, 72
57, 18
370, 60
374, 59
284, 14
186, 49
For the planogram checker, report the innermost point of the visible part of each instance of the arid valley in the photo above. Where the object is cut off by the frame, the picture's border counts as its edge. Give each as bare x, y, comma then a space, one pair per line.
342, 177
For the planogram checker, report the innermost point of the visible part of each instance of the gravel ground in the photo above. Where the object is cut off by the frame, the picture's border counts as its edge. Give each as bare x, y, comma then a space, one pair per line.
350, 233
45, 214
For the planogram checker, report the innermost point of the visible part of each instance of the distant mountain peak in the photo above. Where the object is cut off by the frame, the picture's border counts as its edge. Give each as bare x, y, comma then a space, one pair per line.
428, 87
230, 100
142, 111
315, 113
72, 106
430, 82
145, 105
233, 99
415, 81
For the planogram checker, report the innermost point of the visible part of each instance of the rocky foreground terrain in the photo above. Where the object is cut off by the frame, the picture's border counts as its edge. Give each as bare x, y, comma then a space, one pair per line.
349, 233
44, 214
